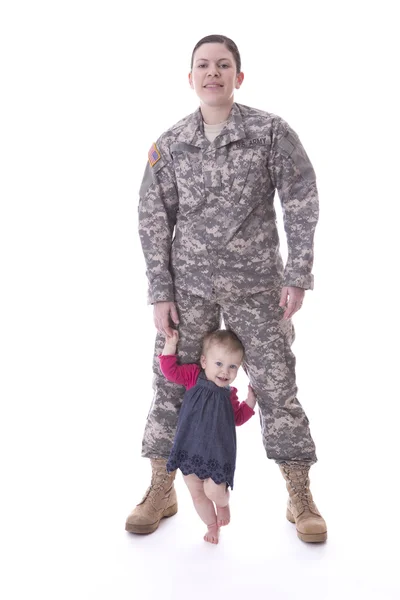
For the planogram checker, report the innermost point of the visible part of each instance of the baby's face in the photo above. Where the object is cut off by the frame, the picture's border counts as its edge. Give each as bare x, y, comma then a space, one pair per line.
221, 365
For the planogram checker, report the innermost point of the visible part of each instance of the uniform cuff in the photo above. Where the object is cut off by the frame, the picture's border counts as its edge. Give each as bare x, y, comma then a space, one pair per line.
160, 291
306, 282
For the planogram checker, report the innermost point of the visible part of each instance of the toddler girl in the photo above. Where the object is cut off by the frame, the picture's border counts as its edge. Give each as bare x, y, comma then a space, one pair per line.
204, 447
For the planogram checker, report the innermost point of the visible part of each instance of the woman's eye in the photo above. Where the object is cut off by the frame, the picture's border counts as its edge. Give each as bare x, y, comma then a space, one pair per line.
224, 66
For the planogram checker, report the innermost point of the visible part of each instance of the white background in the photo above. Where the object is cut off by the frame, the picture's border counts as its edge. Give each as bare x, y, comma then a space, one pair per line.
86, 87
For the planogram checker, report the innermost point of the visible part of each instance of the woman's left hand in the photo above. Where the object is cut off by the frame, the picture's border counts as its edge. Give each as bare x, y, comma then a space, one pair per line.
291, 299
251, 397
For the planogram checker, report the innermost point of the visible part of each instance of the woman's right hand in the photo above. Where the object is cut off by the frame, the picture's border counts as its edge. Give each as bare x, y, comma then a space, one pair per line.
164, 313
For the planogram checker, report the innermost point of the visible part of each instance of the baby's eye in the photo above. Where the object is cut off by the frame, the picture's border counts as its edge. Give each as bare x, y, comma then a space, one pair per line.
218, 363
233, 367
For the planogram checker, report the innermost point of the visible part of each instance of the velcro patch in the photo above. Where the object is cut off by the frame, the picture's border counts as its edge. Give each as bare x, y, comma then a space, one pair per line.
154, 155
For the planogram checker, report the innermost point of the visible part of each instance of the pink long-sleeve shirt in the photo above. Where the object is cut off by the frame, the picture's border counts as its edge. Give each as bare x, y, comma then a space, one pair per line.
187, 375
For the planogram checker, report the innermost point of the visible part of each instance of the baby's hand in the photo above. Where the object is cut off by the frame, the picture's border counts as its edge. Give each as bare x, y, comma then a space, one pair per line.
171, 343
174, 338
251, 397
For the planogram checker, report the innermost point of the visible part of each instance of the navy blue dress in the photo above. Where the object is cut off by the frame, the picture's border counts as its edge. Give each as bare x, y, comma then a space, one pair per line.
205, 439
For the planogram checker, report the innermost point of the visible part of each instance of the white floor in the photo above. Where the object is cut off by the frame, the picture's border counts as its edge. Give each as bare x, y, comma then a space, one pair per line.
64, 533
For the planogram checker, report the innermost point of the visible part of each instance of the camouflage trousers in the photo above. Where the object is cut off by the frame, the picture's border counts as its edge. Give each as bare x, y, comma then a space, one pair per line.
268, 362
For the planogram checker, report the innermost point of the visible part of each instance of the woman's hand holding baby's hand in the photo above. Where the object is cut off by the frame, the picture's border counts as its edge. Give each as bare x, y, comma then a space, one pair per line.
165, 314
251, 398
171, 343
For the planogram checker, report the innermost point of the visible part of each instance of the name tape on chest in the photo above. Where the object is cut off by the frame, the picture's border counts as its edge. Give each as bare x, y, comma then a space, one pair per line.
251, 143
154, 155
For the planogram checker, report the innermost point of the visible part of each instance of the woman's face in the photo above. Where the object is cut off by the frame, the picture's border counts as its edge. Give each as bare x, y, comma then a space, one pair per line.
213, 76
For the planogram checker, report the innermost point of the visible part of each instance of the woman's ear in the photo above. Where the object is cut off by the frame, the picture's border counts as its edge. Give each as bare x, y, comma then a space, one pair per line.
239, 80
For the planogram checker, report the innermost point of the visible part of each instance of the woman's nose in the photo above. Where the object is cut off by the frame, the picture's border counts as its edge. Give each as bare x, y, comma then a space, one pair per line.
213, 72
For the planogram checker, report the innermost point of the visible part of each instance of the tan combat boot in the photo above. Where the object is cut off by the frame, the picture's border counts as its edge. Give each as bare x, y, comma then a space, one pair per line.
301, 508
158, 502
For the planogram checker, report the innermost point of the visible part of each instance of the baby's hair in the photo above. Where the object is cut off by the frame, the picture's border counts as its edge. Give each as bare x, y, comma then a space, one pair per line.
222, 337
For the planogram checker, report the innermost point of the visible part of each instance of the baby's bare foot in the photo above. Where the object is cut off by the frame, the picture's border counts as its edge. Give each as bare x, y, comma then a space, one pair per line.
223, 516
212, 534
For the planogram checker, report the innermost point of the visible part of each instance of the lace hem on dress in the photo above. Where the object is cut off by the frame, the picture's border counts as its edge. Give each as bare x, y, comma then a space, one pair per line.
198, 466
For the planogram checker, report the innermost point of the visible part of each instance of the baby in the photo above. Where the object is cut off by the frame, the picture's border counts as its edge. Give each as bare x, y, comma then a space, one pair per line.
204, 447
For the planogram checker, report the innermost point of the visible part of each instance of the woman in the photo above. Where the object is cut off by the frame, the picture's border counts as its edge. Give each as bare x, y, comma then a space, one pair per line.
208, 231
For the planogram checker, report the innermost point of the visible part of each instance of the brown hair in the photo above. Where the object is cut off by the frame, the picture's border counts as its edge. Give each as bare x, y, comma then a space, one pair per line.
220, 39
222, 337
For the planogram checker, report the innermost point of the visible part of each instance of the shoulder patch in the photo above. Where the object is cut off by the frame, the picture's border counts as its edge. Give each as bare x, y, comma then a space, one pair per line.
154, 155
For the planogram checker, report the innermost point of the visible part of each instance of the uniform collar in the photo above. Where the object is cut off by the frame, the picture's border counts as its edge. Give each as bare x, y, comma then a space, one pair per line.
193, 131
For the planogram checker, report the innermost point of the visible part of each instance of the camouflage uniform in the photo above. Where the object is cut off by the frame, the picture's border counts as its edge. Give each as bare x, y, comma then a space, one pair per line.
208, 231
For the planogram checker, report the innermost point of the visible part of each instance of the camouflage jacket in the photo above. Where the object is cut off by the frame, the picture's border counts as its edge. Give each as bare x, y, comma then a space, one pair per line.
207, 222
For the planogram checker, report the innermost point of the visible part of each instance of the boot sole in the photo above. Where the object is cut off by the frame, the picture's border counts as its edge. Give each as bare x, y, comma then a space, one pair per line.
307, 537
151, 527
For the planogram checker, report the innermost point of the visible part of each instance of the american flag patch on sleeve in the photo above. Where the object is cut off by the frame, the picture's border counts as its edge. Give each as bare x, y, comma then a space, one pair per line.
154, 155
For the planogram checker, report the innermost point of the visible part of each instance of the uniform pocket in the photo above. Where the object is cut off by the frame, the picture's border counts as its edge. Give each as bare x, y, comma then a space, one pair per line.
189, 178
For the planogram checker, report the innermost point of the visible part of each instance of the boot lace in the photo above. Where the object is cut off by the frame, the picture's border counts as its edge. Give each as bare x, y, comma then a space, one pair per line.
299, 483
156, 486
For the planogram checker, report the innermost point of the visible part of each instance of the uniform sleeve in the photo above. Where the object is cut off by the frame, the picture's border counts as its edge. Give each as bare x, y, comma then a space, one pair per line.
241, 410
293, 176
158, 206
182, 374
